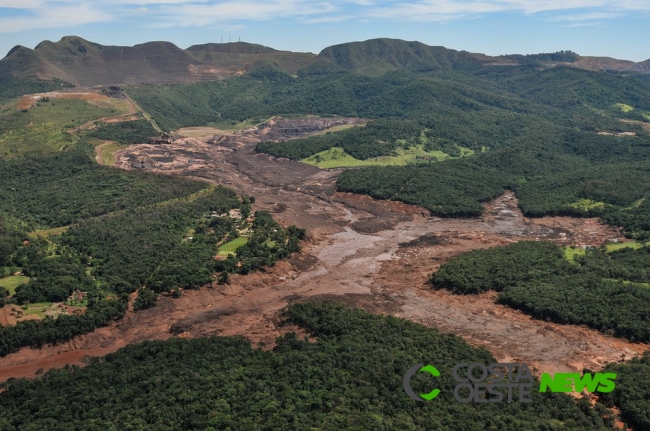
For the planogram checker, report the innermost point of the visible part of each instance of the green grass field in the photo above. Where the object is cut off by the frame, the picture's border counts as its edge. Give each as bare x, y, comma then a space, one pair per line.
107, 153
232, 246
38, 308
623, 107
587, 204
83, 303
119, 105
336, 157
336, 129
620, 245
45, 127
233, 126
12, 282
48, 232
571, 253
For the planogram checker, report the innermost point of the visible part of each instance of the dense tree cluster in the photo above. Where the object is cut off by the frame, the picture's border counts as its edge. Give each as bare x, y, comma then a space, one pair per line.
548, 178
130, 230
126, 248
11, 87
453, 189
146, 299
58, 190
395, 94
53, 277
125, 132
597, 290
538, 127
10, 242
378, 138
351, 378
632, 392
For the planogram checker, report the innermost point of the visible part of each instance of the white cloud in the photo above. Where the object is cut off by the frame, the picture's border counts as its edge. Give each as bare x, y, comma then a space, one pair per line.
204, 14
589, 16
34, 14
437, 10
330, 18
66, 16
21, 4
583, 24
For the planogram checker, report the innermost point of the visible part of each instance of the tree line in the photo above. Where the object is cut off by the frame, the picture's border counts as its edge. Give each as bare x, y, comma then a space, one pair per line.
351, 378
600, 289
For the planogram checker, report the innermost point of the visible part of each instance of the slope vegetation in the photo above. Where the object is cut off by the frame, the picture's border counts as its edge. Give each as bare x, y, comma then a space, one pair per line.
351, 378
75, 60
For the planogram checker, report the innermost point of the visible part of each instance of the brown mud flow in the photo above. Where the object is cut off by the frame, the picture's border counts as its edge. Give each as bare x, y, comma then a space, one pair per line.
376, 255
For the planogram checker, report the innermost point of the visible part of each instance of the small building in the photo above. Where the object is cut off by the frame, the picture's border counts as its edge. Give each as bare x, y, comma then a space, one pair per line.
235, 213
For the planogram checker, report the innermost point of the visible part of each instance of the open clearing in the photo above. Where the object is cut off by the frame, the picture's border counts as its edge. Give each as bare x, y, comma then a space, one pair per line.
105, 152
200, 132
46, 127
336, 157
376, 255
623, 107
12, 282
217, 128
628, 244
48, 232
90, 96
336, 129
232, 246
11, 314
570, 253
587, 204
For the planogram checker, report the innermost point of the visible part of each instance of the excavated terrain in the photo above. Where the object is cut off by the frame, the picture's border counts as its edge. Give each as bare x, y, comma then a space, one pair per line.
376, 255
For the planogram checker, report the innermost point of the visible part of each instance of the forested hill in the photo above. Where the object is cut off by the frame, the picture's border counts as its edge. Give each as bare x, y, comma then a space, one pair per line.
377, 56
567, 141
80, 62
351, 378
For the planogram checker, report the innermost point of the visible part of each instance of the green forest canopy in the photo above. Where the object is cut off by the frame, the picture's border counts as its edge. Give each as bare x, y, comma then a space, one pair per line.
127, 230
533, 131
606, 291
351, 378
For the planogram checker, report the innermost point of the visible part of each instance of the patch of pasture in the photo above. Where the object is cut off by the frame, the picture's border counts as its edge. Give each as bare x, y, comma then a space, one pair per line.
231, 246
337, 157
12, 282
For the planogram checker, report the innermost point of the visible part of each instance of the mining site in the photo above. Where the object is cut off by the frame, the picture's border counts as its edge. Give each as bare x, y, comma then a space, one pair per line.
376, 255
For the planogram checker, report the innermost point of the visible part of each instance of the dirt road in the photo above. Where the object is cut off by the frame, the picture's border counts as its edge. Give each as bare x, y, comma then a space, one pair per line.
375, 255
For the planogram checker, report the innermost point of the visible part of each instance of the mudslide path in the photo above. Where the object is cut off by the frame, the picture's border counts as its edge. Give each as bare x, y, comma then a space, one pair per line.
376, 255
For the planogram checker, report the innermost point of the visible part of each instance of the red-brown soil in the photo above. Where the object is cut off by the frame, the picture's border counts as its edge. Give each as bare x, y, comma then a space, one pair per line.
89, 95
375, 255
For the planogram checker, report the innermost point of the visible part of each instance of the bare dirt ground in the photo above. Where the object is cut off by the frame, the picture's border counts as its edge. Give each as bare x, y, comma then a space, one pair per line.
91, 96
376, 255
83, 93
98, 152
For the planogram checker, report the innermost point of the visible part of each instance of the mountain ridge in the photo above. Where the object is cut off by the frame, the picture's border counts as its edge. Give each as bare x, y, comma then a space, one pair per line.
81, 62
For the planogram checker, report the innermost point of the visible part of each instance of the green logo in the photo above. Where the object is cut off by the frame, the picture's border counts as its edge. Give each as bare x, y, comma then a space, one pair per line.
407, 382
498, 380
568, 382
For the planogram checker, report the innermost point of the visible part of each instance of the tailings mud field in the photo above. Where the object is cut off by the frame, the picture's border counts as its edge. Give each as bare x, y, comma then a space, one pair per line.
375, 255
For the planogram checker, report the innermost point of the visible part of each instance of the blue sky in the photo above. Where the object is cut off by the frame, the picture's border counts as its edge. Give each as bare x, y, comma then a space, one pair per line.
619, 29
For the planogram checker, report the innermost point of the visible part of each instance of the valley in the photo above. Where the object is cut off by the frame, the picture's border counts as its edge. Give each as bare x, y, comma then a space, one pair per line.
371, 254
237, 237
